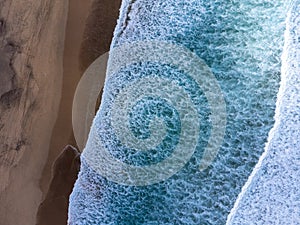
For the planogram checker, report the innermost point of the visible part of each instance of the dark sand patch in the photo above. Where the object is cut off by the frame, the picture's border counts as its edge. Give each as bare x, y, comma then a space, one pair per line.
87, 37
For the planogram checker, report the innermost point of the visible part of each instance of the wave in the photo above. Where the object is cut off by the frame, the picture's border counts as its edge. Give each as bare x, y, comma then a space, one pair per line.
271, 194
159, 114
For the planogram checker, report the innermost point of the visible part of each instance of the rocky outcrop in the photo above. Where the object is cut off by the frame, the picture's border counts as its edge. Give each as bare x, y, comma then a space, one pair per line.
31, 50
89, 32
54, 208
62, 131
93, 23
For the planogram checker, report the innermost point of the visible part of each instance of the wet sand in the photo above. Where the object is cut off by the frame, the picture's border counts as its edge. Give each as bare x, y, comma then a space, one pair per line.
89, 33
60, 42
78, 11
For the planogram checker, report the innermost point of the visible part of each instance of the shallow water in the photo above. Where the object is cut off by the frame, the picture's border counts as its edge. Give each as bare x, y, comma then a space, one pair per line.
241, 42
272, 194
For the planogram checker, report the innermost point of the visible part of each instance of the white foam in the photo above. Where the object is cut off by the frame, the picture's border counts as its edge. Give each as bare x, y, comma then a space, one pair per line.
272, 192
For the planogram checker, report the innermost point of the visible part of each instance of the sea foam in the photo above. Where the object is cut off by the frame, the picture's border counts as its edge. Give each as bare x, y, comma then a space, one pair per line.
240, 44
272, 192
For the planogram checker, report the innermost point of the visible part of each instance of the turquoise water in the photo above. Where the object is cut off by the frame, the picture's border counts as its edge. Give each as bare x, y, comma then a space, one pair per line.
241, 42
271, 195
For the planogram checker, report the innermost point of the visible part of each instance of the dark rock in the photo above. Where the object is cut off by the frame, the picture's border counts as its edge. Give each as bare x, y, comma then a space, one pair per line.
2, 27
7, 72
54, 209
11, 97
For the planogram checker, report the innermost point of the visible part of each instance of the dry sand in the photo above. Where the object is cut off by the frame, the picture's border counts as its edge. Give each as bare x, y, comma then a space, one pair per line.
53, 47
32, 34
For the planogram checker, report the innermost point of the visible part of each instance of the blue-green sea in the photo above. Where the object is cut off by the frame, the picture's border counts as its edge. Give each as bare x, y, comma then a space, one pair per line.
241, 42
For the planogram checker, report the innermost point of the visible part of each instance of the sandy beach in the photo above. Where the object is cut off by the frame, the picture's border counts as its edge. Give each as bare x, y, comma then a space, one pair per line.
89, 33
42, 61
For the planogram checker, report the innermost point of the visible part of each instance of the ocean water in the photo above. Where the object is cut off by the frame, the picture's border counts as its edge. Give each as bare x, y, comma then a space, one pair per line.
272, 193
160, 105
